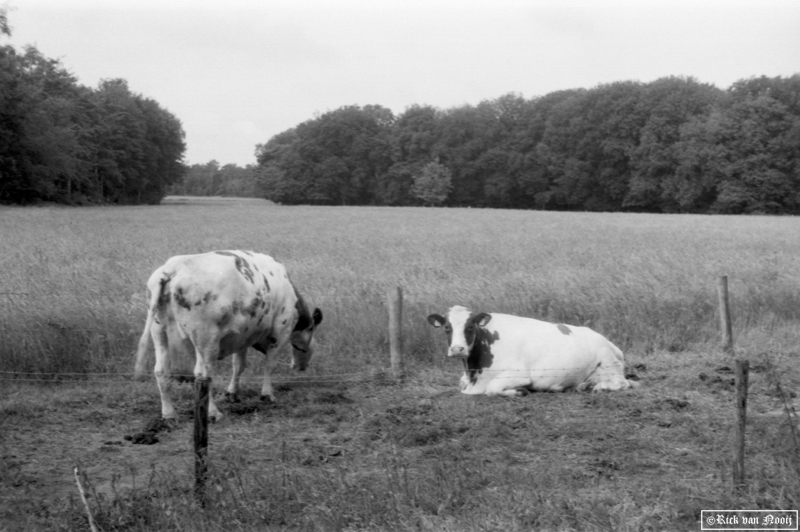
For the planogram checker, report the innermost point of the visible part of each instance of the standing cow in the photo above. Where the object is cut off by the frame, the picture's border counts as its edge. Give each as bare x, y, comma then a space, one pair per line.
216, 304
510, 355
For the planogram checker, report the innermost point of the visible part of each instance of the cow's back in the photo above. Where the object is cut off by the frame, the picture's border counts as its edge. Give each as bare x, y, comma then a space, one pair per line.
233, 298
552, 356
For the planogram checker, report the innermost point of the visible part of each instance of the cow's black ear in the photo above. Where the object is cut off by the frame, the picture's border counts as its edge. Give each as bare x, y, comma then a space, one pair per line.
436, 320
317, 316
482, 319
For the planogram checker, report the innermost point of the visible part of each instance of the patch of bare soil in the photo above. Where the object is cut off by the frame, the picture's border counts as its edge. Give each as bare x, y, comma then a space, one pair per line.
119, 444
423, 434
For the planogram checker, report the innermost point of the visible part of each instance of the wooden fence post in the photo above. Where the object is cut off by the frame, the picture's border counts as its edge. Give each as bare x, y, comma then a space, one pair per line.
395, 297
201, 388
742, 371
725, 315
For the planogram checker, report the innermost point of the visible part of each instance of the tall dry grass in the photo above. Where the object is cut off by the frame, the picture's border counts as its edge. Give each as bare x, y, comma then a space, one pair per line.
380, 457
72, 281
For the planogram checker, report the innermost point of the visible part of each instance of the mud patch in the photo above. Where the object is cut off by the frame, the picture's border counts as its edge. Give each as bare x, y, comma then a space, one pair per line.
718, 382
331, 398
148, 434
676, 404
242, 409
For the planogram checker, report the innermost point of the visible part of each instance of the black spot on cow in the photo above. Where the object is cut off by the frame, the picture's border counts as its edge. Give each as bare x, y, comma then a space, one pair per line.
248, 253
224, 319
242, 266
163, 299
480, 356
267, 343
254, 305
227, 344
266, 283
209, 297
303, 315
163, 294
181, 300
564, 329
283, 322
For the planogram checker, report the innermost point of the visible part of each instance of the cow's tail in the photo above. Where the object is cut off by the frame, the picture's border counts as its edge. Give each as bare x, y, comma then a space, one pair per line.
157, 304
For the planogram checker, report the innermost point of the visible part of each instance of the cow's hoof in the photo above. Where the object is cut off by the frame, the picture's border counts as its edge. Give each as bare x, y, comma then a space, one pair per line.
267, 399
232, 397
216, 417
523, 392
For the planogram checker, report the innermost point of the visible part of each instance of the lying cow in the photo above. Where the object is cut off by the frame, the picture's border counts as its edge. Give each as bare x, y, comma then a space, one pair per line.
510, 355
208, 306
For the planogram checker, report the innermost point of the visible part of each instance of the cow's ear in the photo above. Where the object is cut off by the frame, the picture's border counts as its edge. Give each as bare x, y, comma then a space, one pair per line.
436, 320
482, 319
317, 316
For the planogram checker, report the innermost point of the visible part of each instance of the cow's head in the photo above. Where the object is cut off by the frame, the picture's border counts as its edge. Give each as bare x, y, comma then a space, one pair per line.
302, 336
461, 327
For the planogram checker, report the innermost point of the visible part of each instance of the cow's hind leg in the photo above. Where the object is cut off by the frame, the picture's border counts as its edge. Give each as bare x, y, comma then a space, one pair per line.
204, 354
239, 363
161, 347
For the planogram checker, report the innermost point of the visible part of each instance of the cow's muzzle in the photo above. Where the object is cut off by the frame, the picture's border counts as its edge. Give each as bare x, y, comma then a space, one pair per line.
459, 351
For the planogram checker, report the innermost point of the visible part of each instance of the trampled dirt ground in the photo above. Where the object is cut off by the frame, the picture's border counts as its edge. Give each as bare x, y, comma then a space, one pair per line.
671, 435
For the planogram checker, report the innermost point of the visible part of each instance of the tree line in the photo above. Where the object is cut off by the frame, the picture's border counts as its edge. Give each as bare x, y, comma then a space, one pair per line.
671, 145
67, 143
212, 179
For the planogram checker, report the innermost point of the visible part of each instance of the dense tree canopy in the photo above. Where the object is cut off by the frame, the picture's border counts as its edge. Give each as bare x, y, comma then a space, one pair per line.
672, 145
63, 142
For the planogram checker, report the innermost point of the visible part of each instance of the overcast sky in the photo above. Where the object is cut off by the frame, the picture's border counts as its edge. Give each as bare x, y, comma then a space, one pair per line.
237, 72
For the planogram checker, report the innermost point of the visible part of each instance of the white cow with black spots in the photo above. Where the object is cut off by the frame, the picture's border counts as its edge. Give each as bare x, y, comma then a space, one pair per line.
510, 355
208, 306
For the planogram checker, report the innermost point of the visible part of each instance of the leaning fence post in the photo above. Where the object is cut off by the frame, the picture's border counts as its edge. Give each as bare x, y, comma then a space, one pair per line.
201, 388
725, 315
742, 371
395, 297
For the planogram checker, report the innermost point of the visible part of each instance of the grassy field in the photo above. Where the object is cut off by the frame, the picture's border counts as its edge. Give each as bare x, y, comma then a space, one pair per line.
345, 448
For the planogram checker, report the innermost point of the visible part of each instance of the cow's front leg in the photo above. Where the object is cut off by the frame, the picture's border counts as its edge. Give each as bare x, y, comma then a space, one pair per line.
508, 387
239, 363
267, 393
277, 346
